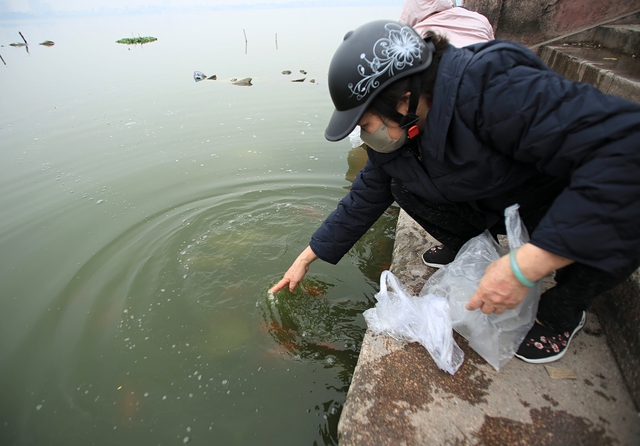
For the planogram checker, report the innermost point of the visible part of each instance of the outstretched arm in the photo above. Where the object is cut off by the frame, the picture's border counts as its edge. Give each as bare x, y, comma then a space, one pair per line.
296, 271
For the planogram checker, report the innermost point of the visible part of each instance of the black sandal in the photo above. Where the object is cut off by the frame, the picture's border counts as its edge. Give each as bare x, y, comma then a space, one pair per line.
544, 345
438, 256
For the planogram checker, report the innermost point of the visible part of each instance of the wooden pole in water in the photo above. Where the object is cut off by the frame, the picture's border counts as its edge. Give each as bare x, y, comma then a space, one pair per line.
276, 40
245, 41
3, 60
26, 44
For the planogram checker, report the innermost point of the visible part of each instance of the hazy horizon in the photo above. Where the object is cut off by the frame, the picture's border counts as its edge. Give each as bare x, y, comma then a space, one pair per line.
26, 9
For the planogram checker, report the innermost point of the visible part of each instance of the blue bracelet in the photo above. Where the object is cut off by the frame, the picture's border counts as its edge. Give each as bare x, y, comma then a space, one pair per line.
516, 270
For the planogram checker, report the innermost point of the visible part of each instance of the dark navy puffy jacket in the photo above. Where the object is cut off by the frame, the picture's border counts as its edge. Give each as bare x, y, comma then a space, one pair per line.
504, 128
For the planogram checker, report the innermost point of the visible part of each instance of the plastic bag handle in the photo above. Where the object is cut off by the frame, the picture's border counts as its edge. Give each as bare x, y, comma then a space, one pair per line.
383, 280
388, 277
517, 233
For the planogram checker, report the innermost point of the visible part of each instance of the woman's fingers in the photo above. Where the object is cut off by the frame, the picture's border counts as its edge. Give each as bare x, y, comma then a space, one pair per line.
498, 289
292, 278
296, 271
475, 302
278, 286
487, 309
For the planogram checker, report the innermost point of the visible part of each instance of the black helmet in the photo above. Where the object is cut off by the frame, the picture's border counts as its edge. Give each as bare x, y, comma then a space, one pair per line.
370, 58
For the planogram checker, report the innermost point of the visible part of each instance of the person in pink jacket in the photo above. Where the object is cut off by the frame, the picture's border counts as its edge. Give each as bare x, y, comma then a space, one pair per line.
461, 26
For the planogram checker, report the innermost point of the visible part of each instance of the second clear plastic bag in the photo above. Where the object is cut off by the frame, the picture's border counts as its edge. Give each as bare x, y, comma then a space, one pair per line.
423, 319
495, 337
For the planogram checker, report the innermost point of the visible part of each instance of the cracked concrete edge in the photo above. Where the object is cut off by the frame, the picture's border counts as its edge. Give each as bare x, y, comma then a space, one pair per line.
398, 395
410, 242
619, 312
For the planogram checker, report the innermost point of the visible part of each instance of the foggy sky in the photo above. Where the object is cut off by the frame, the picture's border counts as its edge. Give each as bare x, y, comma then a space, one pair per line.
75, 6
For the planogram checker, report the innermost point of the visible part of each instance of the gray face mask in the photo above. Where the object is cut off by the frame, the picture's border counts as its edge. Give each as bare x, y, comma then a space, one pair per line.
380, 141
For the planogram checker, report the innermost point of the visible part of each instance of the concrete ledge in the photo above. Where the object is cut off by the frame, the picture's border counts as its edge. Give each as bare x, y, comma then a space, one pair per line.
610, 71
624, 38
398, 396
619, 311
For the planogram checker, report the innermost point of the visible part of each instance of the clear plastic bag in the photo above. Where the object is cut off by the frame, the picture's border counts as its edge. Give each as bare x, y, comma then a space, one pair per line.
423, 319
495, 337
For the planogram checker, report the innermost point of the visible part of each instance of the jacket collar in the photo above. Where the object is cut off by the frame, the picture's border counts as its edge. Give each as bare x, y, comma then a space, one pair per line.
452, 67
378, 158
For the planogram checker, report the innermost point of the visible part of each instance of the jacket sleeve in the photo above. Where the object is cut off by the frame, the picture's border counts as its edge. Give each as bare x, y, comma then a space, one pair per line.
568, 130
369, 197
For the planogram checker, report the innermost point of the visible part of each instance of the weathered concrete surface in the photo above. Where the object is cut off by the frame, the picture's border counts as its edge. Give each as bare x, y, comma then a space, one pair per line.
533, 21
607, 57
619, 311
398, 396
624, 38
610, 71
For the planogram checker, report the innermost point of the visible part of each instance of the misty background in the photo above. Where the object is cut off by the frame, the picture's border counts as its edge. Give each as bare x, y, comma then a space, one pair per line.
26, 9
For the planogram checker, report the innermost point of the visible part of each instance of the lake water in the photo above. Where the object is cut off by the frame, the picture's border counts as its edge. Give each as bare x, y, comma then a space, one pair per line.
144, 216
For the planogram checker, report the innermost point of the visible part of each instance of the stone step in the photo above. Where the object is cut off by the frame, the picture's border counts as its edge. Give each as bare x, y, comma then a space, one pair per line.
611, 71
606, 56
624, 38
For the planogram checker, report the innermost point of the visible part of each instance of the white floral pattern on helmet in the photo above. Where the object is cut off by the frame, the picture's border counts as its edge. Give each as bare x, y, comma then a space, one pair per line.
403, 47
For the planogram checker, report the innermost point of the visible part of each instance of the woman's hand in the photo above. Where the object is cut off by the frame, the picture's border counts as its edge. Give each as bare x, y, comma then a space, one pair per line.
500, 290
296, 271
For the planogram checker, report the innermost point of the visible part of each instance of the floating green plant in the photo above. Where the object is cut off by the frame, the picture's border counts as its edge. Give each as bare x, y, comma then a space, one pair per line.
136, 40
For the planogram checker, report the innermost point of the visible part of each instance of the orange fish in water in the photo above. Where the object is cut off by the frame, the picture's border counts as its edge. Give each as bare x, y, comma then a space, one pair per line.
314, 291
129, 403
281, 334
285, 340
382, 268
328, 346
283, 349
290, 347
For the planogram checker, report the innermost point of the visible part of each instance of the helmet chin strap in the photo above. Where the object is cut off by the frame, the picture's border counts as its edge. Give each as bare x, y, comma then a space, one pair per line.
409, 122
